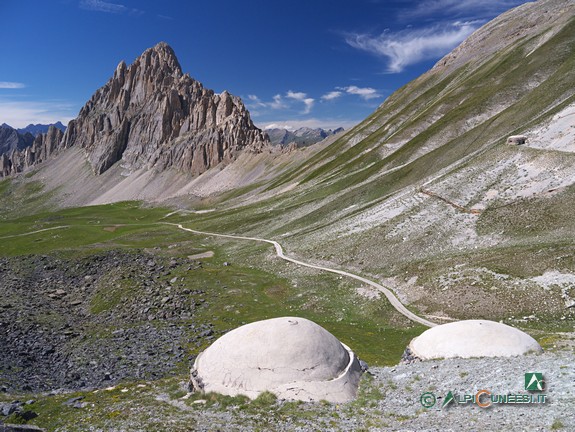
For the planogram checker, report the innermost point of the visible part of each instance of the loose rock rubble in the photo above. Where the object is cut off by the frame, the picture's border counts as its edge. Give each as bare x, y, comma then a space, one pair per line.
81, 322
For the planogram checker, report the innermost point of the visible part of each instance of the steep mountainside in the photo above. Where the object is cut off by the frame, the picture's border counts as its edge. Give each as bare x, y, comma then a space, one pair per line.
427, 195
11, 139
151, 115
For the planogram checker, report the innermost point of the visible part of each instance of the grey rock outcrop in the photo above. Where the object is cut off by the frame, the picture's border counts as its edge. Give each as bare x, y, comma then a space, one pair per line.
11, 140
151, 115
42, 147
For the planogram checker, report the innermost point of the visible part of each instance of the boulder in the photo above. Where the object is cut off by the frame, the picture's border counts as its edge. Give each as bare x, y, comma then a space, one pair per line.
294, 358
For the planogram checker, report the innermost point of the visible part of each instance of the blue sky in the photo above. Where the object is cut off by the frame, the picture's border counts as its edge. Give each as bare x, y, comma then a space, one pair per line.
321, 63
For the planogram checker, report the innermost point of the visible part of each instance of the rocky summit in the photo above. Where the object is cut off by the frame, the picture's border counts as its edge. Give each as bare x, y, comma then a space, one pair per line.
151, 115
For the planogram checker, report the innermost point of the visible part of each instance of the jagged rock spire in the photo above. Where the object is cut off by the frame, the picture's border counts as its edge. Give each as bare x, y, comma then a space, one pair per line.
151, 115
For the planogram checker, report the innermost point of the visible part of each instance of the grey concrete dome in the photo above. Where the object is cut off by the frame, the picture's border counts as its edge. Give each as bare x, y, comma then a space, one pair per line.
291, 357
472, 338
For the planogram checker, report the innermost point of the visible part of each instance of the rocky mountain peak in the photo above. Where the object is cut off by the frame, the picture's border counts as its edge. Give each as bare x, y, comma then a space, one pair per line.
150, 114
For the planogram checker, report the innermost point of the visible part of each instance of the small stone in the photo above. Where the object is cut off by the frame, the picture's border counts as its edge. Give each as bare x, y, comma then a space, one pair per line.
27, 415
71, 402
8, 408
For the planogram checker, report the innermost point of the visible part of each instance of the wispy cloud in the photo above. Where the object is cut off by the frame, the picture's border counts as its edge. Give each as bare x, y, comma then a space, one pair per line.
11, 85
280, 102
256, 101
102, 6
411, 46
302, 97
277, 103
108, 7
366, 93
19, 114
470, 9
331, 95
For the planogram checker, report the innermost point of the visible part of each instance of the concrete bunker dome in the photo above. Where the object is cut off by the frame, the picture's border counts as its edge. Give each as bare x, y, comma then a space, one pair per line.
292, 357
472, 338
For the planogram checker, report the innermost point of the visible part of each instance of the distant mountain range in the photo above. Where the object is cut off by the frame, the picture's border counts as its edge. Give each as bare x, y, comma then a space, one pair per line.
302, 137
36, 129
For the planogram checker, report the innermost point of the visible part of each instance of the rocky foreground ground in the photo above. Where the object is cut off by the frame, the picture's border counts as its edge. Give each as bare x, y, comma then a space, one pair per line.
75, 322
390, 398
83, 350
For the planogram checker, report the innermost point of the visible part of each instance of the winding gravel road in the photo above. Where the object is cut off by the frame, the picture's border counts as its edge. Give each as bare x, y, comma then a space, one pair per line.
280, 253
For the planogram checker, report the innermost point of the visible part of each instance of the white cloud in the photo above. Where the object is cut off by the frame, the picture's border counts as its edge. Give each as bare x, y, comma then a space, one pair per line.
19, 114
412, 46
11, 85
277, 103
308, 105
280, 102
302, 97
331, 95
102, 6
279, 126
366, 93
255, 102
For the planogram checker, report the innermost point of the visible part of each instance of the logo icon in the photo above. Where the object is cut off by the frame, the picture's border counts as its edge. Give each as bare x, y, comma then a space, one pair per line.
534, 381
448, 399
427, 400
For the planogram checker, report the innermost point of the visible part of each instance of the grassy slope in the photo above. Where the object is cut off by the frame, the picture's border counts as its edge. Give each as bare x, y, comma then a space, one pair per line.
252, 288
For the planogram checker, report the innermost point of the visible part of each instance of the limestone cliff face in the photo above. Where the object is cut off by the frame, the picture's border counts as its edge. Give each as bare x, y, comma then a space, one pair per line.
43, 146
151, 115
11, 140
